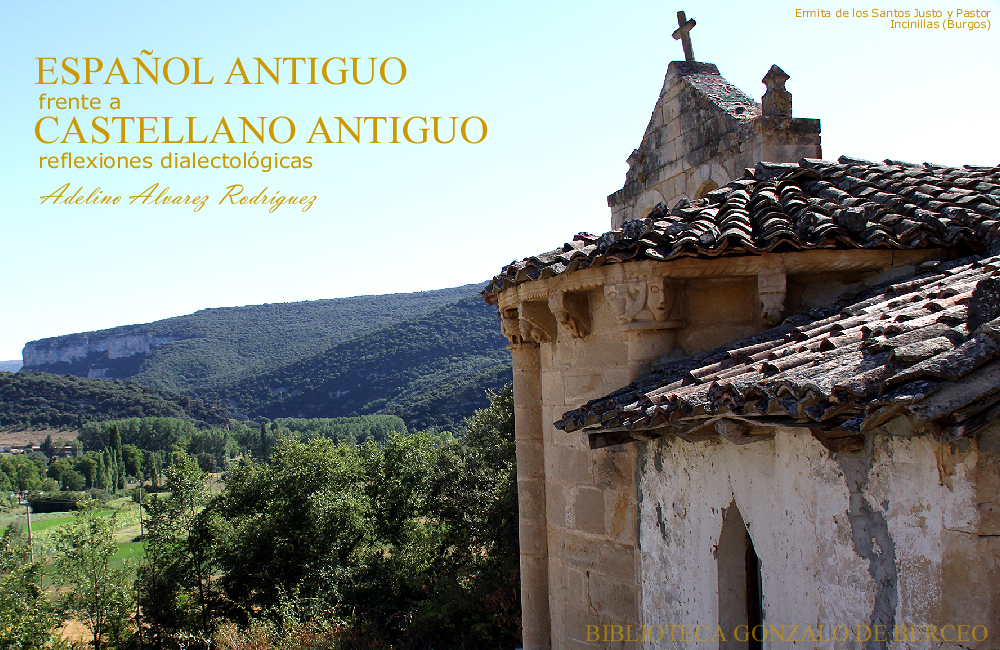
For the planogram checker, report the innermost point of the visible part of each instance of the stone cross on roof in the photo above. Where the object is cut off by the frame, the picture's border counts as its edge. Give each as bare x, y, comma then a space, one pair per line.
682, 33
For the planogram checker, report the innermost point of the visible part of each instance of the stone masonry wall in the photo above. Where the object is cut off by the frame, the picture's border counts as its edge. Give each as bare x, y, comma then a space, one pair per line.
702, 134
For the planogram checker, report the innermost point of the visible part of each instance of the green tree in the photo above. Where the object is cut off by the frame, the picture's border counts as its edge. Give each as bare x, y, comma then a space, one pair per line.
47, 447
27, 617
73, 481
94, 591
132, 459
117, 464
446, 508
175, 590
296, 525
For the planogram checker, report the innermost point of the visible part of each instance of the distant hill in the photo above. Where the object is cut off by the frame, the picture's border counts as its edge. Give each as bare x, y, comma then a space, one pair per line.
10, 366
188, 354
432, 371
30, 399
426, 357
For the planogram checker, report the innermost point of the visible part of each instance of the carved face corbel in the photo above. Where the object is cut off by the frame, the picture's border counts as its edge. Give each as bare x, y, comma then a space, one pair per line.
529, 322
510, 326
647, 303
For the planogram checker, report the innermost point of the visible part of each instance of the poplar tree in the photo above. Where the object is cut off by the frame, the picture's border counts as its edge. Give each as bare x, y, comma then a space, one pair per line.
102, 473
118, 477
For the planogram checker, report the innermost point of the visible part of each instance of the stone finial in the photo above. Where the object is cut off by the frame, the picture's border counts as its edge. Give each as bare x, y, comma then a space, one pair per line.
683, 34
776, 101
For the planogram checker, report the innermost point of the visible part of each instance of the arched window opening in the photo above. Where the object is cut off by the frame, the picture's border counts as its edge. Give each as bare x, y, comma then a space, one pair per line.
740, 594
705, 188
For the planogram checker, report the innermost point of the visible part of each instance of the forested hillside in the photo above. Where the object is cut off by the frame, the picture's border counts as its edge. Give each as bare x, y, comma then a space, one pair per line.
191, 352
61, 401
428, 358
432, 371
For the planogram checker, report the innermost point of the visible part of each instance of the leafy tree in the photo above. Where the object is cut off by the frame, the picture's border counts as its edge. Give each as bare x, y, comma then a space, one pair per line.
175, 586
132, 459
60, 401
294, 526
47, 447
27, 617
58, 468
447, 513
73, 481
98, 594
21, 472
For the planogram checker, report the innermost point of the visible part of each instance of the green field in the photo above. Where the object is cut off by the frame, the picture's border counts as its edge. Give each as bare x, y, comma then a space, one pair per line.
43, 525
134, 552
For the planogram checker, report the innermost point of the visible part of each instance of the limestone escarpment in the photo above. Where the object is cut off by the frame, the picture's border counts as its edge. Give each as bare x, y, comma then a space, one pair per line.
68, 349
93, 354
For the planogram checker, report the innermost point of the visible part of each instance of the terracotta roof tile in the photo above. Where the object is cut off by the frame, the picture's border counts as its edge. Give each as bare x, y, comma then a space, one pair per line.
846, 204
914, 347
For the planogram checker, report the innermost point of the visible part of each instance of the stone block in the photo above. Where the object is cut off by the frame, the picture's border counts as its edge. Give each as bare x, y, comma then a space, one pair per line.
622, 515
534, 639
535, 609
573, 548
531, 499
707, 337
532, 537
530, 458
617, 561
647, 346
564, 353
575, 624
575, 583
573, 465
582, 386
673, 130
527, 387
612, 469
676, 166
670, 151
528, 421
605, 355
695, 157
555, 503
589, 511
722, 302
614, 598
553, 388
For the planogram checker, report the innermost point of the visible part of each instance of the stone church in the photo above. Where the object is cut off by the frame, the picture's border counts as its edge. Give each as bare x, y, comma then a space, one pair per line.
761, 411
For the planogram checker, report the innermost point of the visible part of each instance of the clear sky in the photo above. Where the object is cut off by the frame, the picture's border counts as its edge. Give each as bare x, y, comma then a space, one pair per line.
566, 89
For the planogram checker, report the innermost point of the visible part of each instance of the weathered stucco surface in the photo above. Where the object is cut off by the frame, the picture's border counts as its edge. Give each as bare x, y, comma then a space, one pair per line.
903, 532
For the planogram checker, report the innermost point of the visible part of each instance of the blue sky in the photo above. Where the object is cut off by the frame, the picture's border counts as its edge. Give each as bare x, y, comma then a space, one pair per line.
565, 88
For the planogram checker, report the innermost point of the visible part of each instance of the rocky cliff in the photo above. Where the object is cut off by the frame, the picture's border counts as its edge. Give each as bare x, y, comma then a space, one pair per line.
92, 355
73, 348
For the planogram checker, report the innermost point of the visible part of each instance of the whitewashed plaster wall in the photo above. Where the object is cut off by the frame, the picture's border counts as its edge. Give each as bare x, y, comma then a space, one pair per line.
908, 511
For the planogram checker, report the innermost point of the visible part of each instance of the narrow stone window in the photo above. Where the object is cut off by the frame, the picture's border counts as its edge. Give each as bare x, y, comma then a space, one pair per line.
740, 594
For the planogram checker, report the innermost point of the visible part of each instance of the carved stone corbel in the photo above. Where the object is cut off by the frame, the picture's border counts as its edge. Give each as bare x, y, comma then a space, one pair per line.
572, 312
647, 303
771, 288
510, 326
537, 322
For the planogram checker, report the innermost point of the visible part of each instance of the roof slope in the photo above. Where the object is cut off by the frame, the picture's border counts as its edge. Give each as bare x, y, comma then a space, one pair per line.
780, 207
928, 347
